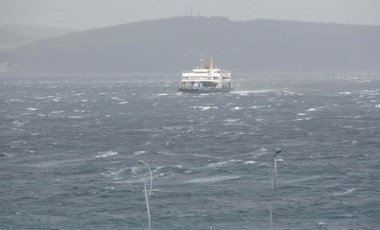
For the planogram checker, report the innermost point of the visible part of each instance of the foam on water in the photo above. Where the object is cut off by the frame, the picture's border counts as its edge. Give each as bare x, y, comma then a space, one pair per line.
345, 192
213, 179
106, 154
236, 108
203, 108
345, 93
221, 163
139, 152
316, 109
76, 117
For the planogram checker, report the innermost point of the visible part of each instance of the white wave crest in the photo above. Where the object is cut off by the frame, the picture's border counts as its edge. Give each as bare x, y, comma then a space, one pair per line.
213, 179
204, 108
217, 164
345, 192
106, 154
139, 152
236, 108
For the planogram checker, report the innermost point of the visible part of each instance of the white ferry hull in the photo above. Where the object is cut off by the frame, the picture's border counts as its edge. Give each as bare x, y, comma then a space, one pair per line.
205, 90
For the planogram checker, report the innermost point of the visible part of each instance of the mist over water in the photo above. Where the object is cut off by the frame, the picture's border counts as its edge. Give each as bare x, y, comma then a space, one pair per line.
69, 148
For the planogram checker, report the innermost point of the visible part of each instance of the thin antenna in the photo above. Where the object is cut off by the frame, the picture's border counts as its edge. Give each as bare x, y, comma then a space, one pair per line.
274, 176
202, 62
147, 195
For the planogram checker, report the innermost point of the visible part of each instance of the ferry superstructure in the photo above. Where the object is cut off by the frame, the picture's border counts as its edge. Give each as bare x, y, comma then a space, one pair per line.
205, 79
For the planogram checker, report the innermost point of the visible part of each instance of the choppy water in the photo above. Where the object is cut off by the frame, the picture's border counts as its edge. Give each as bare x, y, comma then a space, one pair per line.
69, 148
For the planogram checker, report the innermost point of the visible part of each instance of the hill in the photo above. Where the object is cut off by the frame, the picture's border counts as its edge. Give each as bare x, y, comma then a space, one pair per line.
9, 38
14, 35
175, 44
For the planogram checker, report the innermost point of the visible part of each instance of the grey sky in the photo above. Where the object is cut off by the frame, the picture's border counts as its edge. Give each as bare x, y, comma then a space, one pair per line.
86, 14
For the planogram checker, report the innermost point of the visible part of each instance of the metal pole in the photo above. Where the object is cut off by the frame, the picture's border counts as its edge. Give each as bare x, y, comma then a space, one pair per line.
147, 195
274, 175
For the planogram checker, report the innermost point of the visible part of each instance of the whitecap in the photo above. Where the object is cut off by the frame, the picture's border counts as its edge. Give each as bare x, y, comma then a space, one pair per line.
139, 152
262, 151
236, 108
206, 108
106, 154
303, 179
304, 119
249, 162
345, 93
76, 117
264, 91
231, 120
15, 100
220, 163
31, 109
122, 102
344, 193
117, 172
186, 215
19, 123
57, 111
213, 179
43, 115
204, 155
203, 108
257, 107
242, 93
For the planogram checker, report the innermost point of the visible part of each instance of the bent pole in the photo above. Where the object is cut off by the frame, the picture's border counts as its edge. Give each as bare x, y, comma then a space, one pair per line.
147, 194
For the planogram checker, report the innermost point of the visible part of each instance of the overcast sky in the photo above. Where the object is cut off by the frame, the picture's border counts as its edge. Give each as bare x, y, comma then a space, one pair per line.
87, 14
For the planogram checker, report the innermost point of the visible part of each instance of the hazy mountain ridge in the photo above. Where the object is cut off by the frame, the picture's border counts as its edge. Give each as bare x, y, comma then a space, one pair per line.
14, 35
175, 44
9, 38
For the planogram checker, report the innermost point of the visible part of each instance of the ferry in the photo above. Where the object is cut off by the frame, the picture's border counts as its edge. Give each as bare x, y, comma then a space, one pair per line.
205, 79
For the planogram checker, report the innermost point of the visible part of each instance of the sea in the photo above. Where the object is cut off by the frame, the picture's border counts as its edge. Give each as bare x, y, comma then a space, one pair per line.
70, 146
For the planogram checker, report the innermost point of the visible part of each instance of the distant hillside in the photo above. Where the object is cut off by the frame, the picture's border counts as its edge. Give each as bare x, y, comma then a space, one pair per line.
175, 44
9, 38
12, 35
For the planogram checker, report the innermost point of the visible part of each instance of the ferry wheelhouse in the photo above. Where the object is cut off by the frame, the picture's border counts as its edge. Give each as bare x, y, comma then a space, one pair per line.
205, 79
